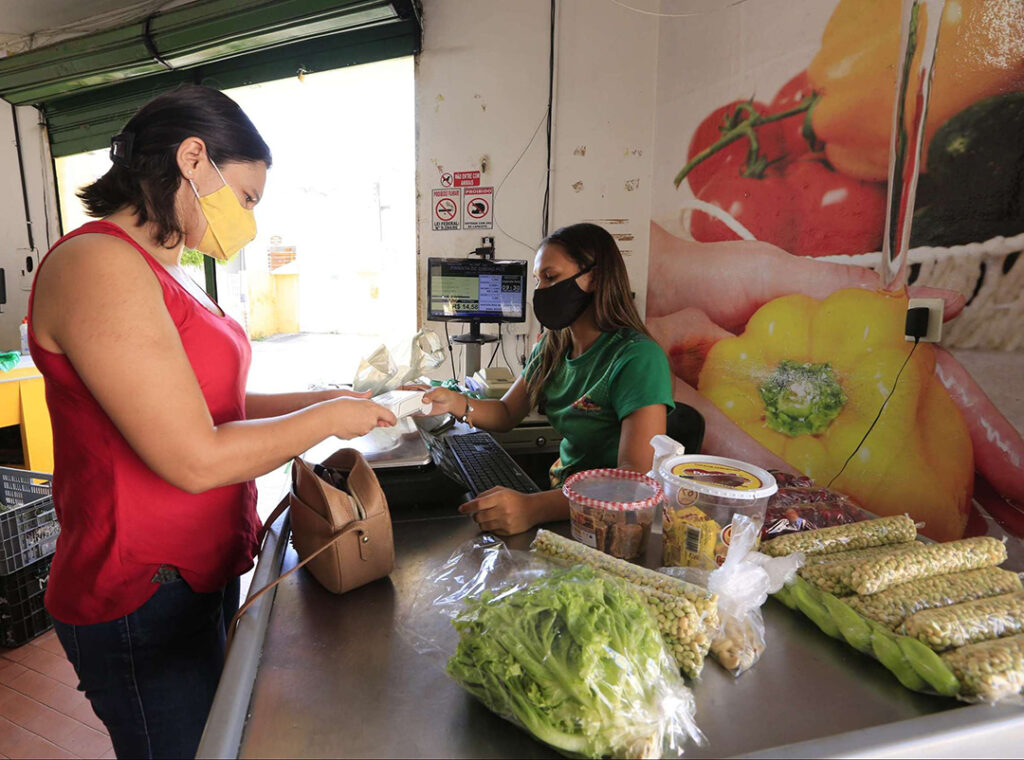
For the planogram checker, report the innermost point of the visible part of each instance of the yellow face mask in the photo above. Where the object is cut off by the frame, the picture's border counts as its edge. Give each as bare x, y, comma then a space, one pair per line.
229, 225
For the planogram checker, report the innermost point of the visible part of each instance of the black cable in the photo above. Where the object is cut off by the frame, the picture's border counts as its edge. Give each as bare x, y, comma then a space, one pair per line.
877, 416
24, 182
545, 209
451, 354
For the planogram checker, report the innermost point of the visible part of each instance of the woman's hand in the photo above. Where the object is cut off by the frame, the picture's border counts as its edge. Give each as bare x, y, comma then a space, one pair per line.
502, 511
356, 416
446, 401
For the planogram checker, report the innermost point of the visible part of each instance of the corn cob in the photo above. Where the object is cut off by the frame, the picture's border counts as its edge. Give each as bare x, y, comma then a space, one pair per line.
872, 576
840, 538
834, 572
870, 553
687, 615
893, 606
991, 670
968, 623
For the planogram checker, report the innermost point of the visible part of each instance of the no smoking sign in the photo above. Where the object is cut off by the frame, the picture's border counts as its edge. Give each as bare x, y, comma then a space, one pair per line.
446, 205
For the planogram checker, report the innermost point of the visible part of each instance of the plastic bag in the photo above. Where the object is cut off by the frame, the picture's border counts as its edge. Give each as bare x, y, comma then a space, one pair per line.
743, 584
799, 505
968, 622
374, 372
571, 656
385, 370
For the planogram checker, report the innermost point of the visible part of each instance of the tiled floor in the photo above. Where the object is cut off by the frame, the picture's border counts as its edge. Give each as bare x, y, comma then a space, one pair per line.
41, 712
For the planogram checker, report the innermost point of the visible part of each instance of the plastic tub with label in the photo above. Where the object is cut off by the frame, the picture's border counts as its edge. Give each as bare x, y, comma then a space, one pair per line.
702, 493
612, 510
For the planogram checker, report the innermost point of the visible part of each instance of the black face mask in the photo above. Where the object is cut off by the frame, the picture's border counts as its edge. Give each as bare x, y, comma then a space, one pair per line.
561, 304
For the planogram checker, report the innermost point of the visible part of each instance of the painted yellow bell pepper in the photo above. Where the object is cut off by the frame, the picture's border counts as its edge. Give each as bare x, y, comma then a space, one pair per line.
980, 53
807, 378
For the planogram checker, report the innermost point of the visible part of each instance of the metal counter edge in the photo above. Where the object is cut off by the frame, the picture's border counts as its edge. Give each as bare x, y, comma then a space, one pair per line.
979, 730
222, 737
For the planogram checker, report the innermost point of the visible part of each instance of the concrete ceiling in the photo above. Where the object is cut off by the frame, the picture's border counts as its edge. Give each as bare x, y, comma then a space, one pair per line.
28, 24
20, 18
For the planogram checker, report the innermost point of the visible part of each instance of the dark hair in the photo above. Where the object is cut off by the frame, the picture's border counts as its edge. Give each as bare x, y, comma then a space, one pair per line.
145, 174
588, 245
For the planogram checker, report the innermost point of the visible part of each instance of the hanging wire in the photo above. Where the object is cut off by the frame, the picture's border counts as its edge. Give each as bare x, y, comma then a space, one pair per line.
497, 190
877, 416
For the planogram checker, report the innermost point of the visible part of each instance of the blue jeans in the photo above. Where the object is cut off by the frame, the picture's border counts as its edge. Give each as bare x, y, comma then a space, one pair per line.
151, 675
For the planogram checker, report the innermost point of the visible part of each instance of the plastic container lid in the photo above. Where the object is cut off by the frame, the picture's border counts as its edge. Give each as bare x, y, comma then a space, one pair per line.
613, 489
718, 476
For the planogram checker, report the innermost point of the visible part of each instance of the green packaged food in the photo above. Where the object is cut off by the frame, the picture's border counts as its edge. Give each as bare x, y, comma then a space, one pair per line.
892, 606
968, 623
989, 670
872, 576
840, 538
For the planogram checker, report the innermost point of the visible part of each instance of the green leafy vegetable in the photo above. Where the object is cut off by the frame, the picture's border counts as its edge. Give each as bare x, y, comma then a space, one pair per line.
577, 660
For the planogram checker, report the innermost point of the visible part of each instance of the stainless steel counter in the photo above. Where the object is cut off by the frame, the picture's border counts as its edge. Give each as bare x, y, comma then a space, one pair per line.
337, 680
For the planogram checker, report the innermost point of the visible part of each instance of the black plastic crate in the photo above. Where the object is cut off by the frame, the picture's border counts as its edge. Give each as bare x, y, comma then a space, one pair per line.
28, 522
25, 584
20, 623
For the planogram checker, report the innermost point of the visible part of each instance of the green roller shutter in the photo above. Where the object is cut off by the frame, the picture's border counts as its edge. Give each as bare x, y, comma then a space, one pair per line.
78, 123
90, 86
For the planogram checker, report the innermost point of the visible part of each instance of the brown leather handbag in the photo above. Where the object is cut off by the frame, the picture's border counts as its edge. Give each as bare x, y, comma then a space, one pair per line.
340, 524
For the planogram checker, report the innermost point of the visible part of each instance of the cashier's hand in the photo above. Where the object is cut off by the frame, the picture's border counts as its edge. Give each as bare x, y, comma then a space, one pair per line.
501, 511
355, 417
445, 401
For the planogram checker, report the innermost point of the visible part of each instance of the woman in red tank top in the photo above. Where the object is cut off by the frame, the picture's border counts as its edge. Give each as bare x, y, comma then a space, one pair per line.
156, 442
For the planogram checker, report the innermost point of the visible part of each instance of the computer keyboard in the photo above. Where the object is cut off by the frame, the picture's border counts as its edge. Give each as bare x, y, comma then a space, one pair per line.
486, 465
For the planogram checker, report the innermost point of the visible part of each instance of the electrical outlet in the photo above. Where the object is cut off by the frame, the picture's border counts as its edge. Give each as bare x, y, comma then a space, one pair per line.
28, 262
935, 308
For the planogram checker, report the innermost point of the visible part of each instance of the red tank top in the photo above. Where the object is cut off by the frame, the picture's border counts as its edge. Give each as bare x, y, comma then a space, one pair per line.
120, 521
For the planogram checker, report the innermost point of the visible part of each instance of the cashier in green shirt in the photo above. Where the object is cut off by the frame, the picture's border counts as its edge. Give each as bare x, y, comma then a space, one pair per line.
603, 383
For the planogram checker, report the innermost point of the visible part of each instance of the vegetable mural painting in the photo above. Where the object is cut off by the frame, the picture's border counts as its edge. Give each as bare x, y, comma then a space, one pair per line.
801, 363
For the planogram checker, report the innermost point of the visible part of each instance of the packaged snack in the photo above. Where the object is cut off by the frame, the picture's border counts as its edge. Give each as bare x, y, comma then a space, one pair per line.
702, 495
612, 510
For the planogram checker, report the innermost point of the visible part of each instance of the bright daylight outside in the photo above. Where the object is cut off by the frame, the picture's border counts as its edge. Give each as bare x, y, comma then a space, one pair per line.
331, 273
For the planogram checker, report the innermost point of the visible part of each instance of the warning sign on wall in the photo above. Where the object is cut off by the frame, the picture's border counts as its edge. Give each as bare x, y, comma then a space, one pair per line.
447, 209
478, 208
467, 179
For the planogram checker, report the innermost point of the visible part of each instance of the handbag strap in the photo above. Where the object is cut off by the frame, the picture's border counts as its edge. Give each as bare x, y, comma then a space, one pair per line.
355, 526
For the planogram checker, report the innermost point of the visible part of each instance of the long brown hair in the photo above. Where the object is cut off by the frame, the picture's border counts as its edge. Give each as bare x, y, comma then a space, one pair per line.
587, 245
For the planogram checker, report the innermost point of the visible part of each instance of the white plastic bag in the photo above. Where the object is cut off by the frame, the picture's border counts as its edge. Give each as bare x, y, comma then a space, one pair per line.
742, 583
387, 369
572, 657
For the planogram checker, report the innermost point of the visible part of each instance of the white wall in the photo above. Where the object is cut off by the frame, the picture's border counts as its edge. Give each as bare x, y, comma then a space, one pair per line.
13, 234
481, 93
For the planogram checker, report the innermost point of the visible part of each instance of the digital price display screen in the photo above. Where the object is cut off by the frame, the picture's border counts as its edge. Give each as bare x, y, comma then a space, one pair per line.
463, 290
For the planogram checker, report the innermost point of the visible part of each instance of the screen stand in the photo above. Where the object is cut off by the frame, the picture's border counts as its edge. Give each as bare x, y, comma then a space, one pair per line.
472, 341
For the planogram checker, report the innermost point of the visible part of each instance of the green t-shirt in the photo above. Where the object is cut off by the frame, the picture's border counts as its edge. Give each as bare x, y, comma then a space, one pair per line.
587, 398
